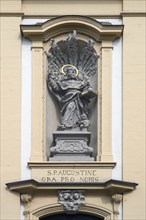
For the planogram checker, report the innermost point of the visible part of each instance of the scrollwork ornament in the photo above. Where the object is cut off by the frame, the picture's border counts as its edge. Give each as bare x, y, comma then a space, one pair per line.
26, 200
116, 199
65, 146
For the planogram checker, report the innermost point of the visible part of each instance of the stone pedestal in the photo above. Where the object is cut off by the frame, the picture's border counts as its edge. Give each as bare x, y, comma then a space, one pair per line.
71, 146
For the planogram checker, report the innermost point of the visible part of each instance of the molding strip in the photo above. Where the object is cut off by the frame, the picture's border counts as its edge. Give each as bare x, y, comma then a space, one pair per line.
133, 14
12, 14
111, 186
71, 164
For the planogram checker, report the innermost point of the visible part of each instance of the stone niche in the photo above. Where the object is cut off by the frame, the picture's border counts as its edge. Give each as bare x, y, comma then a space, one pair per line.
94, 142
71, 109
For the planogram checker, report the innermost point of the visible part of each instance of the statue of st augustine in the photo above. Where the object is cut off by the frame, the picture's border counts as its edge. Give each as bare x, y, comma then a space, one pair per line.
69, 71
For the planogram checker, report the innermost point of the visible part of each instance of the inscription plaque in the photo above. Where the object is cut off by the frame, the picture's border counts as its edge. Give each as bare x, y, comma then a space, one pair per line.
70, 175
71, 172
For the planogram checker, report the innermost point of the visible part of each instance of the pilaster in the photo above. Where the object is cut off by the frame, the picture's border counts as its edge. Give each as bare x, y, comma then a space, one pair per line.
106, 101
37, 100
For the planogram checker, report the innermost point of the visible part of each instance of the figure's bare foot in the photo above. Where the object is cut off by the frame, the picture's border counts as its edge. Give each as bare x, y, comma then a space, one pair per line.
61, 127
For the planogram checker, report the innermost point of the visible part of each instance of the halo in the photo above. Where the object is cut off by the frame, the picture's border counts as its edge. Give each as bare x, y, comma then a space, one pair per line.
69, 65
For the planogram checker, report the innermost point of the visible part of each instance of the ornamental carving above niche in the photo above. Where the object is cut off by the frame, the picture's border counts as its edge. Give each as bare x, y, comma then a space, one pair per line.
71, 200
70, 67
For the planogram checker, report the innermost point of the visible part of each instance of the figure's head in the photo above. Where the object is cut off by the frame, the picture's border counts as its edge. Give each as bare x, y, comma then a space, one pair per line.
69, 70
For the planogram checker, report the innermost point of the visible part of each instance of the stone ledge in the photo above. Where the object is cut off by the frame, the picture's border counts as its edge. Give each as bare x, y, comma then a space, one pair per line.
111, 186
133, 14
12, 14
48, 164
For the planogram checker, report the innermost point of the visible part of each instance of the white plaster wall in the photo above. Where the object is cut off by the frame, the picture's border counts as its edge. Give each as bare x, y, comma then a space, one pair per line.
26, 109
117, 108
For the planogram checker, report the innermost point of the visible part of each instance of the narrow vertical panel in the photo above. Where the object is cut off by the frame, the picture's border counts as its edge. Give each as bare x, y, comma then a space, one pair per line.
106, 117
37, 102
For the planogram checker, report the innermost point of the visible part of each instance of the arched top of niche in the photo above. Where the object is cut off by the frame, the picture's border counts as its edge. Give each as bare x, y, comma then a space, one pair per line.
89, 209
98, 30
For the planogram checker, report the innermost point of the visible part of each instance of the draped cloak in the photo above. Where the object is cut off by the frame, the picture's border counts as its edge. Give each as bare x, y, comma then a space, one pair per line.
73, 105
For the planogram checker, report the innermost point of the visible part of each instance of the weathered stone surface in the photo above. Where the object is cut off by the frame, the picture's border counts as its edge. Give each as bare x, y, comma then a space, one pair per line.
71, 146
71, 200
70, 67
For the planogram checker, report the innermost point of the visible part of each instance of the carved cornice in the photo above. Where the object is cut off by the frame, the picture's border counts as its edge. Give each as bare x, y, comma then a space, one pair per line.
12, 14
110, 186
94, 164
64, 24
133, 14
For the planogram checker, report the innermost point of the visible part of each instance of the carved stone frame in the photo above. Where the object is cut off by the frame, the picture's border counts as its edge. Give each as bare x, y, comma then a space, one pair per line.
40, 33
30, 189
58, 209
